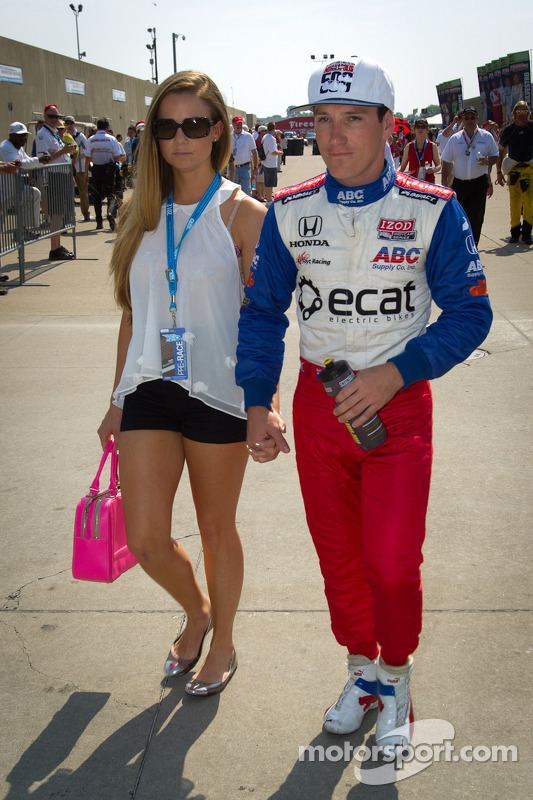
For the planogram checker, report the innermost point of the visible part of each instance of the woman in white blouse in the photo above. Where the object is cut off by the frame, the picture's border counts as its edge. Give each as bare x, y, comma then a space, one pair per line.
174, 400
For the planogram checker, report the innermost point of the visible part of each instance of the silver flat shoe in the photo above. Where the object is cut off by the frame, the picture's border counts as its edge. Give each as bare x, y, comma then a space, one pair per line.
202, 689
179, 666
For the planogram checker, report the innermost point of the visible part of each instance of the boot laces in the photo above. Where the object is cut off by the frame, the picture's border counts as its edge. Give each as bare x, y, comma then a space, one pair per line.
402, 702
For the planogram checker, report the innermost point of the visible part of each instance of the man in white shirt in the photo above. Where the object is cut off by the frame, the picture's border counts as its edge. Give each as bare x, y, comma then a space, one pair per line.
13, 149
80, 171
244, 155
105, 152
60, 185
466, 163
270, 164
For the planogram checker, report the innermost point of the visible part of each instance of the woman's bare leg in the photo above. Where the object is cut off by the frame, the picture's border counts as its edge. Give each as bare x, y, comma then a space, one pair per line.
151, 464
216, 473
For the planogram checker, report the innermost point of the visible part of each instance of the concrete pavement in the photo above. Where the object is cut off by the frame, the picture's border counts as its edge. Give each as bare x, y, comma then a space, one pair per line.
85, 716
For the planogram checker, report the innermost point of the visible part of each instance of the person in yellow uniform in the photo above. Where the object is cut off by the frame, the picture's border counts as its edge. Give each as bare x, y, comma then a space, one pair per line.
515, 163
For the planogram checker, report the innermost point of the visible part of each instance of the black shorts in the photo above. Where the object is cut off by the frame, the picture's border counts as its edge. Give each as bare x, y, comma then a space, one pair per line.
271, 176
166, 406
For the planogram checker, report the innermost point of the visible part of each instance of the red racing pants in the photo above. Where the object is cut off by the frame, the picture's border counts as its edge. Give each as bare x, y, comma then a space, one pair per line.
366, 511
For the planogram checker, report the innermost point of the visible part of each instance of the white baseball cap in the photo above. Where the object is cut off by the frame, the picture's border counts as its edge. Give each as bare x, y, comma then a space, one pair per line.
356, 82
18, 127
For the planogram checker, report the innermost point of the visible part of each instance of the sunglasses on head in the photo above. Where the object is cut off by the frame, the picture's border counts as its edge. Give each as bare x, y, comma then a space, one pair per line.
192, 127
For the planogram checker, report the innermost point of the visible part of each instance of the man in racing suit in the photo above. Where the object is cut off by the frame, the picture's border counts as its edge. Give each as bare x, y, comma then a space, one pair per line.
366, 251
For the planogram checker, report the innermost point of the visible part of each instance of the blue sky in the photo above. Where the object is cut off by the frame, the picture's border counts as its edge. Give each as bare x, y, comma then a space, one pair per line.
259, 52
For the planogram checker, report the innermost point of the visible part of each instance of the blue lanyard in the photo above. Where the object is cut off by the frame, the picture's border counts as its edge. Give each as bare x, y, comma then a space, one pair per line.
421, 158
173, 252
55, 134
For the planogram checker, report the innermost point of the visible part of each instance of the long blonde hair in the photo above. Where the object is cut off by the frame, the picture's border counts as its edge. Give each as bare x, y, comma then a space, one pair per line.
154, 178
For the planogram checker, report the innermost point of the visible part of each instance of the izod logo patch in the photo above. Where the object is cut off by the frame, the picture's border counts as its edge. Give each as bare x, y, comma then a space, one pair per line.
397, 229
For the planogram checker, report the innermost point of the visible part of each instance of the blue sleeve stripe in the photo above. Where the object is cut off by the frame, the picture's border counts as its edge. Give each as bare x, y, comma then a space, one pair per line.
258, 392
413, 365
457, 284
263, 320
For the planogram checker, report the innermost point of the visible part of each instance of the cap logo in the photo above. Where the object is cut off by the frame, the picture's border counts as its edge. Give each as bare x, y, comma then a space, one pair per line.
337, 78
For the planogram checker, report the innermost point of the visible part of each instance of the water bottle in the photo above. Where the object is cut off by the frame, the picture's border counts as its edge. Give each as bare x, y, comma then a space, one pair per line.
334, 377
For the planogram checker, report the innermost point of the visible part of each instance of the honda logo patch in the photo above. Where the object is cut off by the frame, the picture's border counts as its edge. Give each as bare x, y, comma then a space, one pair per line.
309, 226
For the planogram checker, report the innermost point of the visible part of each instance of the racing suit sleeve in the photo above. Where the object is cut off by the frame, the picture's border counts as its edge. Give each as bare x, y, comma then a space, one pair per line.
263, 320
458, 287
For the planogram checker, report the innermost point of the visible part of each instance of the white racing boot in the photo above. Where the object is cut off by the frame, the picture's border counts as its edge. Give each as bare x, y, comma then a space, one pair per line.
358, 696
395, 709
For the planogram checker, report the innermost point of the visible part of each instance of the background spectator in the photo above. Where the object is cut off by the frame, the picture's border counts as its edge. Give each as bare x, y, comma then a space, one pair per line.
59, 185
13, 150
78, 163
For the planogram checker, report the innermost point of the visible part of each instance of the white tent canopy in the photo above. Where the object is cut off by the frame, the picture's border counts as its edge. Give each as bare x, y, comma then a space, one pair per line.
435, 120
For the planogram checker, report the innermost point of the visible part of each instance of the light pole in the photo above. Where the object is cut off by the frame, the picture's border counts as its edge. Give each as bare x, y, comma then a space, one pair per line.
77, 12
324, 58
175, 37
153, 60
150, 48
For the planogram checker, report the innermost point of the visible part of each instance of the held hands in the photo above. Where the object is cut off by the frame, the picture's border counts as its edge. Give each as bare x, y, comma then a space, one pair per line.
264, 439
370, 391
110, 425
500, 180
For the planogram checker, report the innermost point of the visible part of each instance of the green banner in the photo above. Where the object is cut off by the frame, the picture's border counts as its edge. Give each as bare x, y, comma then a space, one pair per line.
450, 96
502, 83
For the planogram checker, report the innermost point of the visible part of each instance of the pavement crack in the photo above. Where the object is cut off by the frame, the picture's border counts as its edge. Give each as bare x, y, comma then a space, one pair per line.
64, 687
12, 601
25, 651
174, 613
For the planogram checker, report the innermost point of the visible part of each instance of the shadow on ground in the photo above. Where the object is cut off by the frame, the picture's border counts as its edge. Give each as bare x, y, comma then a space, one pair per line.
318, 779
115, 769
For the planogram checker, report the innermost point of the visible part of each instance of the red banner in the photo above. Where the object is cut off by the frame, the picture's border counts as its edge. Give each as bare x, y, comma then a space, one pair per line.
301, 126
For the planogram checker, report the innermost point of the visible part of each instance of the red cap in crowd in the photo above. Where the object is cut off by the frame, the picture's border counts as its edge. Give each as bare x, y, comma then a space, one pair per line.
237, 120
51, 107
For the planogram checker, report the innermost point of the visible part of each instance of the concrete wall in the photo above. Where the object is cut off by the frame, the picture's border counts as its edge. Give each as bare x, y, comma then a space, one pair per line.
44, 76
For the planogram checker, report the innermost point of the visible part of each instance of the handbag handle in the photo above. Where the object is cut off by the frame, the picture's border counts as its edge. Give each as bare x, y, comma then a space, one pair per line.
113, 475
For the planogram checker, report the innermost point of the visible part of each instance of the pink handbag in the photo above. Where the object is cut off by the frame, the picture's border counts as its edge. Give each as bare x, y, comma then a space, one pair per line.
100, 552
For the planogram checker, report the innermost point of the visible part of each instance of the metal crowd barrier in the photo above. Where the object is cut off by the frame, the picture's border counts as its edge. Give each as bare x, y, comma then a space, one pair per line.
34, 205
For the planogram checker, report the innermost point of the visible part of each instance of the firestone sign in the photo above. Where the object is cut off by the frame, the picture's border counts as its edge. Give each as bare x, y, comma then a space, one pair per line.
301, 126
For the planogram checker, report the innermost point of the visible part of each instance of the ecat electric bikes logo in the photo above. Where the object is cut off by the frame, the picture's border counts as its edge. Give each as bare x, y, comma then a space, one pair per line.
362, 307
309, 300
